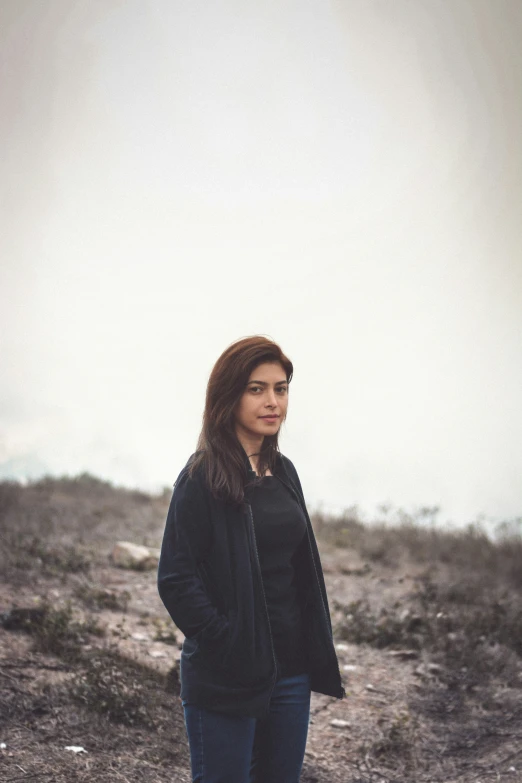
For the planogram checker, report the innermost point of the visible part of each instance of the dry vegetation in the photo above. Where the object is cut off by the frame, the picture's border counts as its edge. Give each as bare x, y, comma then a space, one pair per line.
428, 624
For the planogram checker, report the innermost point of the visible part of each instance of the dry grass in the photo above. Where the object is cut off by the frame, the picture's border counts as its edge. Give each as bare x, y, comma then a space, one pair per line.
99, 598
124, 716
462, 617
464, 620
420, 540
65, 526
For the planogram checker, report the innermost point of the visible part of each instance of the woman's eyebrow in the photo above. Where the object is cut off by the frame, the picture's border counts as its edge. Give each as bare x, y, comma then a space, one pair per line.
265, 383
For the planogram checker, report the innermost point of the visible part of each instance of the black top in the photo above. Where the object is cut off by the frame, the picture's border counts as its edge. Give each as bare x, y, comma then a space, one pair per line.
280, 525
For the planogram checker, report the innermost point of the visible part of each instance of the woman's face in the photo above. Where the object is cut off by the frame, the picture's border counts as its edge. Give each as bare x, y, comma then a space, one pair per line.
262, 407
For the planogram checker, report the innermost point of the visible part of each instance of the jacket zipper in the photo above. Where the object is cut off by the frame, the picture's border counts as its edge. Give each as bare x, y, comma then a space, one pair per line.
266, 605
317, 579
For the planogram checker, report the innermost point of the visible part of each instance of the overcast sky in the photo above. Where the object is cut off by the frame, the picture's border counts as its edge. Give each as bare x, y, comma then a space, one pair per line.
344, 177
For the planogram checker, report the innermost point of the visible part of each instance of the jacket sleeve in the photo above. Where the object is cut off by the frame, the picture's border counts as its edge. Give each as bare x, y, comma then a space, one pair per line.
187, 536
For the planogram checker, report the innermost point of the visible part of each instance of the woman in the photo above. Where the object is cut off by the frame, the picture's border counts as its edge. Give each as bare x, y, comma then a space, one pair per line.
240, 575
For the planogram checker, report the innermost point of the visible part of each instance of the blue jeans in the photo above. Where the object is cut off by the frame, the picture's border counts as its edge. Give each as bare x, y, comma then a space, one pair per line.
231, 749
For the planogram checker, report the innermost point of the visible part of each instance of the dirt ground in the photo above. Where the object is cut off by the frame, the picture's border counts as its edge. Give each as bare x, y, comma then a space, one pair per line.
398, 722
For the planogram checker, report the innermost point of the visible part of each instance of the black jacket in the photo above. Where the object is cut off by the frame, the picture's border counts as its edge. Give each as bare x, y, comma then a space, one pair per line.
209, 579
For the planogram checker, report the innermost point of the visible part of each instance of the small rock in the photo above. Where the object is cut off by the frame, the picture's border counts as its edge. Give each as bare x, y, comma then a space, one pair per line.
428, 669
128, 555
140, 637
349, 667
512, 769
403, 654
3, 746
75, 748
369, 686
157, 653
342, 647
339, 724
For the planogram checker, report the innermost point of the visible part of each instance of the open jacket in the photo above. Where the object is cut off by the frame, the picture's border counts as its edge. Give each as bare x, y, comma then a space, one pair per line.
209, 579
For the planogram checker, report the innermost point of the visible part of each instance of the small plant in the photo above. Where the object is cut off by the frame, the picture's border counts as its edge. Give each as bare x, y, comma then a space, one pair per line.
54, 560
360, 625
119, 688
98, 598
65, 559
53, 630
396, 742
165, 631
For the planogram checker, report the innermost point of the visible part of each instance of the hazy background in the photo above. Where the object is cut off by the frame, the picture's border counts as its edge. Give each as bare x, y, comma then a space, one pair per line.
344, 177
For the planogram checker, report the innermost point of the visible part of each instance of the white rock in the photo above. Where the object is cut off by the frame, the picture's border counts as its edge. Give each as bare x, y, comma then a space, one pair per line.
140, 637
157, 653
404, 654
349, 667
75, 748
339, 724
342, 647
128, 555
3, 746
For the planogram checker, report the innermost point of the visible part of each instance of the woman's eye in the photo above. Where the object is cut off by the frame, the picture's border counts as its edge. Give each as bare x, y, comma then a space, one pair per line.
281, 390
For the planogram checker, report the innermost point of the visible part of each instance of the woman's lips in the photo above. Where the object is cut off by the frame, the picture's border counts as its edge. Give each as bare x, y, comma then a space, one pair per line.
269, 418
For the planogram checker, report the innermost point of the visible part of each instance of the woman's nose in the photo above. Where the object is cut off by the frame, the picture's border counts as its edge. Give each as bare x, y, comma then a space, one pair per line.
271, 399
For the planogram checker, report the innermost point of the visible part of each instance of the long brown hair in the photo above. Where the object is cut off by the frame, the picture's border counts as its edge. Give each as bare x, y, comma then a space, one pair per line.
219, 452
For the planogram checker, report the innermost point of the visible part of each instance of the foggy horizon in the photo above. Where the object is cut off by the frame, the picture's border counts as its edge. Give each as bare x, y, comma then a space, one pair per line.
345, 178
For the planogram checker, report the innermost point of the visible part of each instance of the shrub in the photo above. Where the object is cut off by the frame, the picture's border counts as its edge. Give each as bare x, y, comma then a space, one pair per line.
471, 626
58, 559
360, 625
117, 687
98, 598
53, 630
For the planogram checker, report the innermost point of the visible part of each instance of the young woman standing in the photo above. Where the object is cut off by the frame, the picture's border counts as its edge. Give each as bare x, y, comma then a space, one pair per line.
240, 575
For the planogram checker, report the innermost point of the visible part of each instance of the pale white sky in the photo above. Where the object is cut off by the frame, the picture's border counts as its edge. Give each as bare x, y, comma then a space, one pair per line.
344, 177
